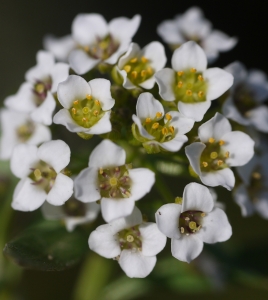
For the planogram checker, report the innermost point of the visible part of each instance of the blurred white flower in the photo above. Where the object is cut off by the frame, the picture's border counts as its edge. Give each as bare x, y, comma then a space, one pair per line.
194, 222
130, 241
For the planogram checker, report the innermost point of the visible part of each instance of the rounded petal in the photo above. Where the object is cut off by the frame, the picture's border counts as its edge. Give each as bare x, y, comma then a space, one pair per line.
194, 111
107, 154
136, 265
63, 117
219, 41
175, 144
81, 63
148, 106
55, 153
216, 128
238, 70
231, 112
86, 186
74, 88
240, 147
132, 51
219, 81
155, 52
59, 73
181, 123
246, 170
142, 130
166, 80
215, 227
186, 248
27, 196
188, 56
193, 153
61, 191
241, 197
259, 118
197, 197
169, 32
167, 220
104, 242
127, 84
102, 126
40, 135
148, 84
224, 177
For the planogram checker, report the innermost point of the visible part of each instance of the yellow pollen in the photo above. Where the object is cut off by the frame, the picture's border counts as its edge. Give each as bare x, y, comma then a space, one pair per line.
150, 70
213, 155
180, 84
155, 125
178, 200
89, 97
192, 225
130, 238
189, 93
95, 113
256, 175
37, 174
205, 164
133, 60
86, 48
182, 230
168, 116
158, 114
203, 214
211, 140
200, 94
84, 119
127, 194
127, 68
221, 142
97, 102
171, 129
113, 181
180, 73
219, 162
134, 74
40, 88
227, 154
75, 102
164, 130
85, 110
192, 70
144, 59
143, 73
200, 78
101, 171
148, 120
74, 111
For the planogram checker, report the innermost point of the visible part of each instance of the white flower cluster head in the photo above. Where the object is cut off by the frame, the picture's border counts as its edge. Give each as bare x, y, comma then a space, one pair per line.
134, 113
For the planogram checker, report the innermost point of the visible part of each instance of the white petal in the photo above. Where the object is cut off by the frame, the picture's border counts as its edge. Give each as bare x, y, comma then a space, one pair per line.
148, 84
112, 209
216, 227
238, 70
143, 132
216, 128
153, 241
173, 145
101, 90
43, 113
194, 111
136, 265
107, 154
231, 112
102, 126
127, 84
155, 52
246, 170
24, 157
63, 117
104, 242
123, 28
40, 135
193, 153
219, 81
112, 60
240, 147
181, 123
169, 32
81, 63
197, 197
188, 56
259, 118
74, 88
61, 191
59, 73
86, 185
224, 177
166, 80
241, 197
148, 106
167, 219
219, 41
28, 197
55, 153
186, 248
133, 51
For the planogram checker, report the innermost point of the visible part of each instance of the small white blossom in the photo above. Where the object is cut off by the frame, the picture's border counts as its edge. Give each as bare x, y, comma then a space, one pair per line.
18, 127
35, 96
86, 105
157, 130
138, 66
192, 26
108, 178
245, 102
130, 241
219, 149
41, 171
194, 222
190, 83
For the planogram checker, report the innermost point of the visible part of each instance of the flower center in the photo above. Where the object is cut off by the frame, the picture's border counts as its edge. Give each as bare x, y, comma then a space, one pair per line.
213, 158
191, 221
43, 176
40, 90
138, 69
86, 112
74, 208
244, 99
115, 182
102, 48
130, 238
190, 87
25, 131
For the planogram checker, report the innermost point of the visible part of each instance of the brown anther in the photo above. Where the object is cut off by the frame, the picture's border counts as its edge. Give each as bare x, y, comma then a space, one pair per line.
148, 120
227, 154
164, 131
134, 60
134, 74
75, 102
221, 142
158, 114
144, 59
84, 119
200, 94
200, 78
205, 164
155, 125
219, 162
193, 70
168, 116
189, 93
89, 97
171, 129
74, 111
180, 73
180, 84
127, 68
211, 140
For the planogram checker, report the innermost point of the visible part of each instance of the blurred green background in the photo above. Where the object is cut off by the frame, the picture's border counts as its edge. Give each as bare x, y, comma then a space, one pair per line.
237, 269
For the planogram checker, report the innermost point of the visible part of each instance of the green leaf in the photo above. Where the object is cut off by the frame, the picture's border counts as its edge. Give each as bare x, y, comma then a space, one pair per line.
47, 247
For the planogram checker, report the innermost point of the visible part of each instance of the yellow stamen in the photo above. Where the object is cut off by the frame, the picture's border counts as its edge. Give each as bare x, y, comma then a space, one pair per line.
180, 84
182, 230
178, 200
200, 78
101, 171
203, 214
89, 97
189, 93
171, 129
221, 142
187, 219
148, 120
84, 119
95, 113
117, 169
227, 154
144, 59
213, 155
133, 60
37, 174
192, 70
205, 164
158, 114
143, 73
200, 94
164, 130
75, 102
134, 74
168, 117
180, 73
74, 111
150, 70
85, 110
155, 125
192, 225
127, 194
97, 102
211, 140
127, 68
256, 175
130, 238
219, 162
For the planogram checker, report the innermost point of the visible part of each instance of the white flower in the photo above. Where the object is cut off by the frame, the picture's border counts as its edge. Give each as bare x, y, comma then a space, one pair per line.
86, 105
18, 127
252, 194
190, 83
35, 96
108, 178
219, 148
192, 26
157, 130
138, 66
245, 102
96, 41
130, 241
41, 173
73, 212
194, 222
